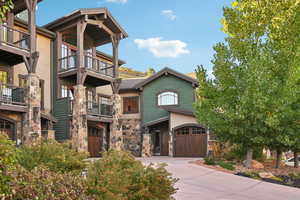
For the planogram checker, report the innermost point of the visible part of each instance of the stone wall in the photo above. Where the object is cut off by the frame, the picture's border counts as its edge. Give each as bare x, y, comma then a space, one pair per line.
79, 128
116, 135
32, 122
132, 136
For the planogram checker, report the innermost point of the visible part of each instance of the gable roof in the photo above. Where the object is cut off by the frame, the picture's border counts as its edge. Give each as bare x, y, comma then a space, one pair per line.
167, 71
129, 84
88, 11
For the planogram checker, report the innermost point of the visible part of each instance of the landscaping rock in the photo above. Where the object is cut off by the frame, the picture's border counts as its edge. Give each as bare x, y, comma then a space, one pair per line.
255, 164
265, 175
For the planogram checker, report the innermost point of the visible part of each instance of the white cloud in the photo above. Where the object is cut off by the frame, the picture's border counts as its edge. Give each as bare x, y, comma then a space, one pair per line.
169, 14
117, 1
163, 48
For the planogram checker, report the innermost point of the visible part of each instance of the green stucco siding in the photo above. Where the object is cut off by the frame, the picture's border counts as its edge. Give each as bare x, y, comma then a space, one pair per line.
150, 109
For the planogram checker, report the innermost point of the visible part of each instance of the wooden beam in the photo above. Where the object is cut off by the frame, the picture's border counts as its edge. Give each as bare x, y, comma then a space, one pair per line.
35, 57
115, 45
28, 67
81, 26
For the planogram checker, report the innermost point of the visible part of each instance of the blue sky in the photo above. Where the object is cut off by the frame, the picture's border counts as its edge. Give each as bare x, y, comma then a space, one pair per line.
176, 33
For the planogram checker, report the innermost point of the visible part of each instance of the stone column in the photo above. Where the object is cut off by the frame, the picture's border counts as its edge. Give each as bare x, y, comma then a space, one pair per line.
171, 144
79, 129
116, 136
32, 122
147, 149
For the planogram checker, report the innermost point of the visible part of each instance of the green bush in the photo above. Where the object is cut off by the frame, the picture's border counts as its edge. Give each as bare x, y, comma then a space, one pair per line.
8, 160
118, 176
56, 156
44, 184
239, 152
209, 161
226, 165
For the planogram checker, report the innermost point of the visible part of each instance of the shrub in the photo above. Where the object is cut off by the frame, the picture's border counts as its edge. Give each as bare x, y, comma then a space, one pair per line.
118, 176
44, 184
209, 161
58, 157
238, 152
8, 160
226, 165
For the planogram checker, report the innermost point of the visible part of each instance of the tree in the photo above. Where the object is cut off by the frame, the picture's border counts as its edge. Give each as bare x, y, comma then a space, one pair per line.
5, 6
150, 71
254, 99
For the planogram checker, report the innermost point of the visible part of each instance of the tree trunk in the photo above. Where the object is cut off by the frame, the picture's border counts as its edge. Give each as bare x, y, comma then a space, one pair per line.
296, 159
278, 158
249, 158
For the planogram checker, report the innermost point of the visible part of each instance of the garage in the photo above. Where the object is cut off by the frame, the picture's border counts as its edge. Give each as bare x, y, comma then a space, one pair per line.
190, 141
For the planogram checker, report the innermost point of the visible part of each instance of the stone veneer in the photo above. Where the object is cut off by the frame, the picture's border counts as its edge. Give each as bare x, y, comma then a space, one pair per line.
132, 135
32, 122
79, 129
116, 135
147, 148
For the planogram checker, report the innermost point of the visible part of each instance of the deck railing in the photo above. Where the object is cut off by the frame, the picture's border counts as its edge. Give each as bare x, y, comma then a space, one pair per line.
10, 94
95, 108
90, 63
67, 63
15, 38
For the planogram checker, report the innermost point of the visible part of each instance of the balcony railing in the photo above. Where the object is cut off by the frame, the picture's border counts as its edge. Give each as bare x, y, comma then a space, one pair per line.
95, 108
67, 63
90, 63
96, 65
15, 38
10, 94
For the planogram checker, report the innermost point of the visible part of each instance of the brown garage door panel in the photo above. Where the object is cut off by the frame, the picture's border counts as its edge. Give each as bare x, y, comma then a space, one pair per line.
190, 145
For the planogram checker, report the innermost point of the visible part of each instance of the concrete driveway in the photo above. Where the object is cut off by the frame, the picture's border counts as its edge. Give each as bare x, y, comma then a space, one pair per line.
199, 183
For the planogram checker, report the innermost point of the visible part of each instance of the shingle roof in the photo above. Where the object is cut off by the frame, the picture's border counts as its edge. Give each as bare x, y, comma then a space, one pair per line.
129, 84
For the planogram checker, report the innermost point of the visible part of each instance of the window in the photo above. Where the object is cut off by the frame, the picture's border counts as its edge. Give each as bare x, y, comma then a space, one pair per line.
90, 99
130, 105
167, 98
3, 77
22, 81
198, 130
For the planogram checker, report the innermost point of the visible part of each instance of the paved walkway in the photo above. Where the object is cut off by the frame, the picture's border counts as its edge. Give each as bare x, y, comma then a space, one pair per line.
199, 183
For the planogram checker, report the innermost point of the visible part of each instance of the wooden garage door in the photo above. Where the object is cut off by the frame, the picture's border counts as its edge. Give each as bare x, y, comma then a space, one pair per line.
95, 141
190, 142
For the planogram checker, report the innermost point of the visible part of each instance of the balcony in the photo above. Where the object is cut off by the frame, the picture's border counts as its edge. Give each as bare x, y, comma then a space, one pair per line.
98, 72
14, 44
100, 109
12, 98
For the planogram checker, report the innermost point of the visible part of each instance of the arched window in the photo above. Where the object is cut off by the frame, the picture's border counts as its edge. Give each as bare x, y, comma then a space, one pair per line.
167, 98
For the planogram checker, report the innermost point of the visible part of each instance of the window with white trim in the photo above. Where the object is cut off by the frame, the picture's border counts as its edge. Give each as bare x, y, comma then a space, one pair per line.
167, 98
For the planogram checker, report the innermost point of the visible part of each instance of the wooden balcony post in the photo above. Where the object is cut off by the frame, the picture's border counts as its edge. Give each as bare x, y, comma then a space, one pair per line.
81, 25
10, 23
115, 44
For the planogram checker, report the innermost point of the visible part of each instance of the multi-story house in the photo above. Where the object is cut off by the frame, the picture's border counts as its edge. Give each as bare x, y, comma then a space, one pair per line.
25, 103
52, 78
54, 75
80, 75
157, 116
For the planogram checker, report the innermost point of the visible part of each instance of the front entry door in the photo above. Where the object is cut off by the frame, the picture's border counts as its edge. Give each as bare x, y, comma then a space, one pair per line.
95, 136
161, 143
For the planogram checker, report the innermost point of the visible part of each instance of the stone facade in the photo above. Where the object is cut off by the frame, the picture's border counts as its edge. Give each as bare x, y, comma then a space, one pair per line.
116, 135
132, 136
147, 145
171, 144
32, 122
79, 128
